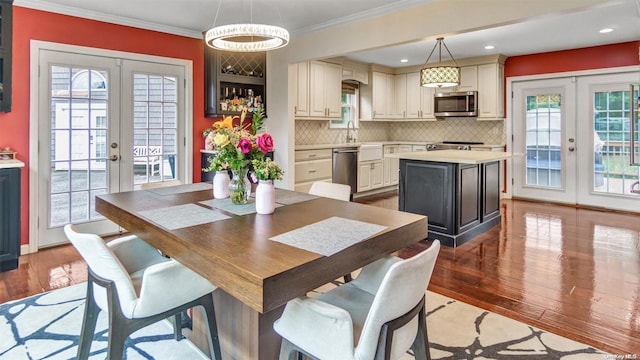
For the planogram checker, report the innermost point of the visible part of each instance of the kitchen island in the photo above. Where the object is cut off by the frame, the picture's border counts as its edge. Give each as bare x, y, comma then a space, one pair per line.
458, 190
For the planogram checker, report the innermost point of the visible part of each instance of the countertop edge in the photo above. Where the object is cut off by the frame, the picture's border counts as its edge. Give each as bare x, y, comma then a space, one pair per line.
8, 164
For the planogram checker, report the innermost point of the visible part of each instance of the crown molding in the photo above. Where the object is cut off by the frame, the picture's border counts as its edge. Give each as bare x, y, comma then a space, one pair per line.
94, 15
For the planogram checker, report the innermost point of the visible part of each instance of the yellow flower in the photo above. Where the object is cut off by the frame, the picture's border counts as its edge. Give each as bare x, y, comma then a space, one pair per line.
221, 140
226, 123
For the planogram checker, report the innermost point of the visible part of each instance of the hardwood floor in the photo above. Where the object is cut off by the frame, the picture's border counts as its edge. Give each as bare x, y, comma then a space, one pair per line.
573, 272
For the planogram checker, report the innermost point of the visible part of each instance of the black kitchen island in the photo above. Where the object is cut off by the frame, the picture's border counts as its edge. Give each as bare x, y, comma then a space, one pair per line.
459, 191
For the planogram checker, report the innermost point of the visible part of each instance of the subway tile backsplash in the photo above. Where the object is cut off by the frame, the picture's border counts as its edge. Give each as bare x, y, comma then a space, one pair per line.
309, 132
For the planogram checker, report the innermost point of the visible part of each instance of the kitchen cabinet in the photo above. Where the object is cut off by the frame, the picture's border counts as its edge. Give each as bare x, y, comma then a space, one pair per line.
351, 72
419, 100
301, 84
491, 91
400, 100
233, 81
406, 148
369, 175
325, 90
10, 220
390, 166
311, 166
468, 80
6, 35
383, 95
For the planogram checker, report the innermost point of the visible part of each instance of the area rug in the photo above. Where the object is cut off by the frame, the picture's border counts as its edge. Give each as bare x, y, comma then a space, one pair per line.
46, 326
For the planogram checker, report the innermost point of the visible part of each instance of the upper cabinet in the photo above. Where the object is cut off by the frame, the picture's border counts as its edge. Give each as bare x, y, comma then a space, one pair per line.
318, 90
491, 91
419, 99
301, 85
468, 80
6, 34
382, 95
234, 81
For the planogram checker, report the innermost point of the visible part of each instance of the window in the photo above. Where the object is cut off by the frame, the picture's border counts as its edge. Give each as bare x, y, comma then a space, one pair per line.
349, 107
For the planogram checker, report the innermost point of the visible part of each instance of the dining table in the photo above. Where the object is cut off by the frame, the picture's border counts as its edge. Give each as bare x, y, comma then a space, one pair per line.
259, 262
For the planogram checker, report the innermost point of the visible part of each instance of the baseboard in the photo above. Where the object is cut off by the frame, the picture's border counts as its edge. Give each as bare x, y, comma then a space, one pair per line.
25, 249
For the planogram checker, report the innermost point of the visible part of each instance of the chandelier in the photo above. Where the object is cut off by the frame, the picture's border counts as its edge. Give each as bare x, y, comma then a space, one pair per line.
440, 75
246, 37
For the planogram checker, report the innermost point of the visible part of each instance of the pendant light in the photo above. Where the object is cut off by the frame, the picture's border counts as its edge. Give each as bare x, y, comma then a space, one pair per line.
440, 75
246, 37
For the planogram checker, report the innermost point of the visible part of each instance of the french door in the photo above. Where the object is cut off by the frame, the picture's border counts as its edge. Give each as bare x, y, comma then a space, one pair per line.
105, 125
574, 135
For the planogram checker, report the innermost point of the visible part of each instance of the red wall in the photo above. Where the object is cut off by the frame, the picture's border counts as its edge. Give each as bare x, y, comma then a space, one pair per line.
29, 24
597, 57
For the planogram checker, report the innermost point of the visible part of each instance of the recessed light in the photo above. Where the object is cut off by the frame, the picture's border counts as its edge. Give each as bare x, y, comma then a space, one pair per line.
606, 30
489, 47
404, 60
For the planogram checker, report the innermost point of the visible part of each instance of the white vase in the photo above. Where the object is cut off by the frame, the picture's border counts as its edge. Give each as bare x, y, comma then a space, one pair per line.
265, 197
221, 185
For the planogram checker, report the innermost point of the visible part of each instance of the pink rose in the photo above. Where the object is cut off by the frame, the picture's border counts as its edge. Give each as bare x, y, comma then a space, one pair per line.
245, 145
265, 143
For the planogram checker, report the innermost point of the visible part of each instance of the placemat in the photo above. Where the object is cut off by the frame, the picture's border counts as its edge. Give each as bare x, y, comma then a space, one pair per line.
287, 197
179, 189
329, 236
181, 216
228, 206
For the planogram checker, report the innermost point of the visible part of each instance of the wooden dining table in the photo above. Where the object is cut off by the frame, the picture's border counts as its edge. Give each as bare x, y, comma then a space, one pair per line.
257, 275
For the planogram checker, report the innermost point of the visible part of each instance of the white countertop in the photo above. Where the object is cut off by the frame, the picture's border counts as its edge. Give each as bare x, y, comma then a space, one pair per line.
357, 144
455, 156
6, 164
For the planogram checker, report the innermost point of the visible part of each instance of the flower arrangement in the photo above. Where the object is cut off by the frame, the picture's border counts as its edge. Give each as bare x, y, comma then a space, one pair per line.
266, 169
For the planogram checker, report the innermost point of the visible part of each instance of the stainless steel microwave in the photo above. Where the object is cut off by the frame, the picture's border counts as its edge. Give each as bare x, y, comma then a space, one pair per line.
456, 104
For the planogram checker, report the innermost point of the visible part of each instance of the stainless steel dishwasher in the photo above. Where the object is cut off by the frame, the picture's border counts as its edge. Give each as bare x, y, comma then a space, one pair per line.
345, 167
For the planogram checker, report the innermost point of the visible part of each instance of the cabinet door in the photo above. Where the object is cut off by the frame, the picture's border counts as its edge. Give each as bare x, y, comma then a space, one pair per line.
316, 89
390, 166
333, 90
364, 176
413, 94
490, 190
468, 197
376, 174
302, 89
400, 108
379, 95
468, 78
426, 103
10, 219
390, 96
490, 91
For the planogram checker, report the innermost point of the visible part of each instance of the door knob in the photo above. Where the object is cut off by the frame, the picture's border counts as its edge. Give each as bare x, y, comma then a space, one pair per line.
114, 158
571, 148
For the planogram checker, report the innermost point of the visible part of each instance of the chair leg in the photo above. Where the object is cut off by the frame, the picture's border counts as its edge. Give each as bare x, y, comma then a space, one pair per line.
288, 351
177, 326
212, 329
118, 333
347, 278
421, 343
91, 312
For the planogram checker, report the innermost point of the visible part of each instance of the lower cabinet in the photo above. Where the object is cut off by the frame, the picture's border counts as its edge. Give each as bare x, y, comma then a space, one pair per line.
390, 166
311, 166
10, 219
460, 200
369, 175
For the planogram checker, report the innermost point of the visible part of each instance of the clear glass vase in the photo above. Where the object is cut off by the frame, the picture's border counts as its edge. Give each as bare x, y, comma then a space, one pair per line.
239, 186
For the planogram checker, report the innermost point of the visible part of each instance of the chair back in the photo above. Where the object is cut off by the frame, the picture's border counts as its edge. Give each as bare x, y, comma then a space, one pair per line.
400, 290
103, 263
331, 190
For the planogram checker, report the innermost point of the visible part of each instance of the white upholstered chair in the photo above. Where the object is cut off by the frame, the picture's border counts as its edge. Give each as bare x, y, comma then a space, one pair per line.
379, 315
331, 190
137, 286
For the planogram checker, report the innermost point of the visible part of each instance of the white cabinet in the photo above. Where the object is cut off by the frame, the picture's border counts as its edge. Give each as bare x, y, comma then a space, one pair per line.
382, 95
325, 88
405, 148
419, 99
355, 73
369, 175
301, 73
390, 166
419, 148
311, 166
400, 103
491, 91
468, 80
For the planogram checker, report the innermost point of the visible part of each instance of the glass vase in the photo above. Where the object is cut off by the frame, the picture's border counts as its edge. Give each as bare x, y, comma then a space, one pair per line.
265, 197
239, 186
221, 185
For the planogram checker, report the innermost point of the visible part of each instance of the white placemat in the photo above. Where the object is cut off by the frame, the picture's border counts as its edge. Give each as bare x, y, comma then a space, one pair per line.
179, 189
329, 236
181, 216
292, 197
228, 206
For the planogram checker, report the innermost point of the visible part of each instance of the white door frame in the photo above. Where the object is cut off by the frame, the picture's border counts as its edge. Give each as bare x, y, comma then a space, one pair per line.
509, 100
35, 47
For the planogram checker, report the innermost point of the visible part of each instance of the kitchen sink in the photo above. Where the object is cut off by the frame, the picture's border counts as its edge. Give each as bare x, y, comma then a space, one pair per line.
370, 151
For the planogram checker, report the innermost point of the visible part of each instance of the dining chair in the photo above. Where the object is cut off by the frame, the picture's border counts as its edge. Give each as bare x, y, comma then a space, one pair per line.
137, 286
379, 315
333, 191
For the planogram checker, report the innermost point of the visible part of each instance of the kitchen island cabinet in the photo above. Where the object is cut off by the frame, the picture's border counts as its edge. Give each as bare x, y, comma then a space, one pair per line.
10, 220
458, 190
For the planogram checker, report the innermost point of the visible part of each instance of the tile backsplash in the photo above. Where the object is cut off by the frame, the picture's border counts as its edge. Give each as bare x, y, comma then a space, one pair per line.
309, 132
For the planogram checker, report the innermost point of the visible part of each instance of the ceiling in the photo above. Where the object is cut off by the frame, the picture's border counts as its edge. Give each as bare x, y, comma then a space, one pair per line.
192, 17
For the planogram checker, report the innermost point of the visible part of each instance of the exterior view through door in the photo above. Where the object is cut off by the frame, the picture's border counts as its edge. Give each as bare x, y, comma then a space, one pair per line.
576, 136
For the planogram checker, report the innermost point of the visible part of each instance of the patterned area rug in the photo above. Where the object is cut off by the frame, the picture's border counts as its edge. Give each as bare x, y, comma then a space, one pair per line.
46, 326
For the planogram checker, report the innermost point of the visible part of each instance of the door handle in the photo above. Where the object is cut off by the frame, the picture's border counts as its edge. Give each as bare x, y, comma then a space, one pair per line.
114, 158
571, 148
571, 141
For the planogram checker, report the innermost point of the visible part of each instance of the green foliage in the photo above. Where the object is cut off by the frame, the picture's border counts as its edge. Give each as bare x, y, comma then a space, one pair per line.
265, 169
258, 120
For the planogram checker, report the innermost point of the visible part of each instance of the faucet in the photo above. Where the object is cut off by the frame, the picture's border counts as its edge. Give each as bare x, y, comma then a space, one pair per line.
350, 124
